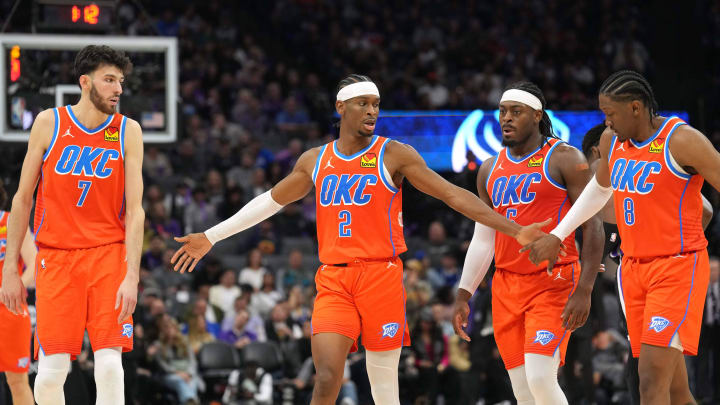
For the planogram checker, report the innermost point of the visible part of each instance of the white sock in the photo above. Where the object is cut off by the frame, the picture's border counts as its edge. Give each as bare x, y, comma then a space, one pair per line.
541, 372
52, 372
520, 387
382, 369
109, 377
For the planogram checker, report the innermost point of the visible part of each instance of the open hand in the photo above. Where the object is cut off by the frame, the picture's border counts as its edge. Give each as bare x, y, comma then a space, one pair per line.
460, 316
126, 298
13, 293
532, 232
547, 248
576, 309
195, 246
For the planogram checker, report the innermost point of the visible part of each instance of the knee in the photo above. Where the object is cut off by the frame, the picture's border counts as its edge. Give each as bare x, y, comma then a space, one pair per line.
327, 380
651, 377
49, 383
17, 381
108, 369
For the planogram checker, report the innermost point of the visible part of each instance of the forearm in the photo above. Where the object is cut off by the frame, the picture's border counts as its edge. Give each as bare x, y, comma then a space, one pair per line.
591, 200
469, 205
477, 260
16, 230
257, 210
591, 253
134, 221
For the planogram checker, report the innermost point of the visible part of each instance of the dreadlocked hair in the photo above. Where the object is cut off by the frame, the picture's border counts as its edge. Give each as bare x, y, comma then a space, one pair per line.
353, 78
546, 128
592, 138
627, 85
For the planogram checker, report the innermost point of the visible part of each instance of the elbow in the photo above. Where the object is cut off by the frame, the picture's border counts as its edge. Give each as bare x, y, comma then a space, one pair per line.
135, 214
21, 199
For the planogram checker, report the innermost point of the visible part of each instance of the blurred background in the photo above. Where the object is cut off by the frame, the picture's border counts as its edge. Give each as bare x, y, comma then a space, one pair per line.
255, 87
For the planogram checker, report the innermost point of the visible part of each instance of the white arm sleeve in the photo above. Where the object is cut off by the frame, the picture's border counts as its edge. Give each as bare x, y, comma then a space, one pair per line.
257, 210
477, 260
591, 200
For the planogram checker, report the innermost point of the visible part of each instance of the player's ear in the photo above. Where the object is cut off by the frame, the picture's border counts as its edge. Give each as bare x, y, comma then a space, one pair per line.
636, 107
85, 81
538, 116
340, 107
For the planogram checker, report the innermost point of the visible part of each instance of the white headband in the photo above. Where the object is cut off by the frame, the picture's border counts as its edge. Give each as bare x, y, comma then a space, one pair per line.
358, 89
522, 96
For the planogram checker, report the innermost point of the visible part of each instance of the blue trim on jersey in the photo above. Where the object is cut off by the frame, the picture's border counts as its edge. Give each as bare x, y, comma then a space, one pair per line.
492, 169
390, 223
612, 147
122, 207
37, 335
381, 170
42, 219
402, 339
652, 138
510, 158
55, 133
81, 126
122, 137
545, 167
569, 295
687, 183
687, 306
561, 207
667, 154
2, 215
317, 163
344, 157
622, 297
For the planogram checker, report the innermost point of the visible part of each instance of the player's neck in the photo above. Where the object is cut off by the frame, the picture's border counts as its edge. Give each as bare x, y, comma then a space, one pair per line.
351, 144
532, 143
88, 115
649, 128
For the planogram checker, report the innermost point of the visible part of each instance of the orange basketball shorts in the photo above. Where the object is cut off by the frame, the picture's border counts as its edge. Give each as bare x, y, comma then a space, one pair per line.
76, 290
15, 337
367, 298
664, 296
526, 311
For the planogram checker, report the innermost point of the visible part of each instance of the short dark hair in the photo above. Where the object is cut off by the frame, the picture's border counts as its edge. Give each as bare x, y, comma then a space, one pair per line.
628, 85
545, 125
93, 56
592, 138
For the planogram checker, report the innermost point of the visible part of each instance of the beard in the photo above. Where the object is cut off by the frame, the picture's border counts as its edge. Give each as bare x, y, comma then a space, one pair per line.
511, 143
99, 103
365, 134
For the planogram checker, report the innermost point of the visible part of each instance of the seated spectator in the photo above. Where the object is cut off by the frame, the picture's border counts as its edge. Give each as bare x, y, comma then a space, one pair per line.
161, 223
156, 164
280, 327
299, 312
208, 312
254, 386
256, 324
447, 275
239, 335
294, 274
153, 257
200, 213
264, 301
223, 294
254, 272
431, 355
177, 361
197, 333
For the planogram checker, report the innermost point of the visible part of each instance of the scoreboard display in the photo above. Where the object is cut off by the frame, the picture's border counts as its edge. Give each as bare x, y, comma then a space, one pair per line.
74, 15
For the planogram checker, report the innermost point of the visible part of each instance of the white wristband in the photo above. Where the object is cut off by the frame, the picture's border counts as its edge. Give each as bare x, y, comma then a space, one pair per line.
257, 210
591, 200
477, 260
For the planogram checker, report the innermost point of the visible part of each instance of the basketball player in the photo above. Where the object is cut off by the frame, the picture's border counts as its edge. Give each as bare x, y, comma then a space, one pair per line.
88, 228
591, 149
654, 167
358, 181
15, 329
535, 176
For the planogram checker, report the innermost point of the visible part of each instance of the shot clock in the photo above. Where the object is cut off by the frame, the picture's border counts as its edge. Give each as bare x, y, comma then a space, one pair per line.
69, 15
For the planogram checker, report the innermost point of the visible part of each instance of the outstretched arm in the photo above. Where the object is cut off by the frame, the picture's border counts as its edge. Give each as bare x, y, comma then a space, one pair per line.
412, 166
292, 188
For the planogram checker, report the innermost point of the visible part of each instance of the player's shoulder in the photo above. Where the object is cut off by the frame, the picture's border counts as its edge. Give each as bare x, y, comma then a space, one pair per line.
686, 133
45, 118
396, 148
132, 125
308, 159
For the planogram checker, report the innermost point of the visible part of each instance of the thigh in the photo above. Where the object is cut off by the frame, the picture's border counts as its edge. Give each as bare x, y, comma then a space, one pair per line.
632, 299
60, 303
15, 338
675, 298
380, 300
508, 312
334, 310
106, 267
544, 332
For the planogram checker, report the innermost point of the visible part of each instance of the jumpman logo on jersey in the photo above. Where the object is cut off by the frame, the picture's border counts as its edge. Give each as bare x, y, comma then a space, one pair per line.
559, 276
391, 264
329, 163
621, 147
67, 133
500, 166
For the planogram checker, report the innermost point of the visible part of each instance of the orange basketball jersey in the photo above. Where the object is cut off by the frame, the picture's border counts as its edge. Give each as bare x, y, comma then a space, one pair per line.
359, 210
657, 204
3, 243
81, 193
523, 191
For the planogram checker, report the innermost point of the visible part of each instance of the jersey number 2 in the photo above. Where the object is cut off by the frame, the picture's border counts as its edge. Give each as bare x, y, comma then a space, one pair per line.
84, 185
345, 221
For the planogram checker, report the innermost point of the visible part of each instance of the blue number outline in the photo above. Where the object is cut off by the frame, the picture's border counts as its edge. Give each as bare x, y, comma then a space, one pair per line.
85, 186
512, 211
344, 227
629, 209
